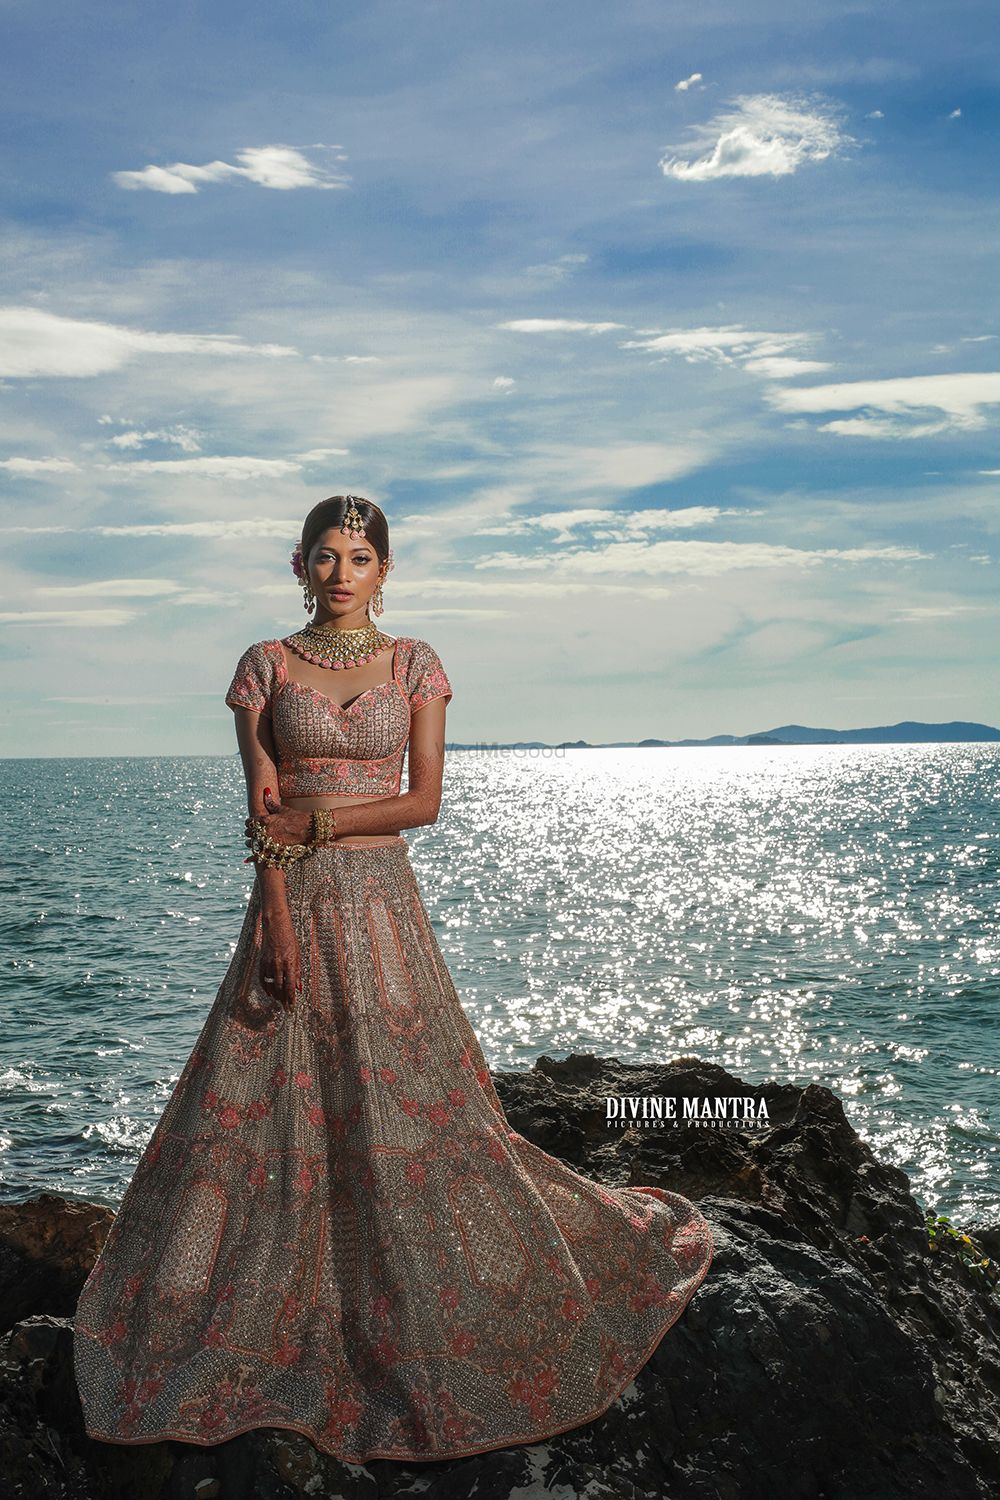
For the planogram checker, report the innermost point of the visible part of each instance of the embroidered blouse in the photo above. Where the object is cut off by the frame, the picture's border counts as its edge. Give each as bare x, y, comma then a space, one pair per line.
322, 747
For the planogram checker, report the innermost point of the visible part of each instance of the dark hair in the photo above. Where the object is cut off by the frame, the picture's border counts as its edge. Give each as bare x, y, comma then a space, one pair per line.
331, 512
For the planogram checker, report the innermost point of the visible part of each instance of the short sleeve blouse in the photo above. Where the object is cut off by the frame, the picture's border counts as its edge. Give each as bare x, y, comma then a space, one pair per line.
426, 678
254, 679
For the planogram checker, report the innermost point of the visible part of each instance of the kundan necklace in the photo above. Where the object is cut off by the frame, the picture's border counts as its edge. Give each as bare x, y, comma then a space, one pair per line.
338, 648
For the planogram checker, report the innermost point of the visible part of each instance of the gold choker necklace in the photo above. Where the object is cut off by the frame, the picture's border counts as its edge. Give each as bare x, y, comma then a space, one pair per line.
338, 648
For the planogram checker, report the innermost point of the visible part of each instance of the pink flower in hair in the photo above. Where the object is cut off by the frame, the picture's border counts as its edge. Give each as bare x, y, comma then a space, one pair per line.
296, 560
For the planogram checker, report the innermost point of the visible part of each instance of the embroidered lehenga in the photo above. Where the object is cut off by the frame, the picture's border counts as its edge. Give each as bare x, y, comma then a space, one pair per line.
333, 1228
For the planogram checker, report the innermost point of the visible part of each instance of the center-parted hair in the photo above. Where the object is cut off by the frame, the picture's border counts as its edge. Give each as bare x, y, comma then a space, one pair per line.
331, 513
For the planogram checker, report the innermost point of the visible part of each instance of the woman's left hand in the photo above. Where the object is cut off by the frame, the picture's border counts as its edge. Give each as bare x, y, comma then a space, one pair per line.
287, 825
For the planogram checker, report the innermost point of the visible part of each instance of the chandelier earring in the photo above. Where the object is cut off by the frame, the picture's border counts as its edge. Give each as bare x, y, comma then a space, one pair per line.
302, 574
377, 604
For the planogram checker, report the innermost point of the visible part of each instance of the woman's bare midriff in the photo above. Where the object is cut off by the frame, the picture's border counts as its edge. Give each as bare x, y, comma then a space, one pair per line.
335, 800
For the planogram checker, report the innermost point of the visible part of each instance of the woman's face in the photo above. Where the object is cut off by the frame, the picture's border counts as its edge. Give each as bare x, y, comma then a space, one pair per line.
343, 571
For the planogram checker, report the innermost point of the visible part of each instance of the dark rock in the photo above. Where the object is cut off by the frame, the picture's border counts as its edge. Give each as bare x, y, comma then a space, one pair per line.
829, 1354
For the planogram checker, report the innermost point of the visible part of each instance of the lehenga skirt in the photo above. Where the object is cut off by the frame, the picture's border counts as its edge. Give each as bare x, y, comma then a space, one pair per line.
333, 1228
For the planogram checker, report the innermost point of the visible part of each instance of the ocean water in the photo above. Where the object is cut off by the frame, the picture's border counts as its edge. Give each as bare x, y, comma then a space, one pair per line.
810, 914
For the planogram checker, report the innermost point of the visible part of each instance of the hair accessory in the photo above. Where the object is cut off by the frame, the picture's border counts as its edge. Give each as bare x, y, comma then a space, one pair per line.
302, 574
353, 525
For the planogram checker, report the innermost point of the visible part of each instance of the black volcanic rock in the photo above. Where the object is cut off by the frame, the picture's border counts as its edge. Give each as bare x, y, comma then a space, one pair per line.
828, 1355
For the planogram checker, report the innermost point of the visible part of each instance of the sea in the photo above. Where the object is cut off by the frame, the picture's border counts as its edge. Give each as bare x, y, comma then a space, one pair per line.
810, 914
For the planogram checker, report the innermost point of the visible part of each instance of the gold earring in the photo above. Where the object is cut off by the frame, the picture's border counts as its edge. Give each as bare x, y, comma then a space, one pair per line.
377, 605
309, 600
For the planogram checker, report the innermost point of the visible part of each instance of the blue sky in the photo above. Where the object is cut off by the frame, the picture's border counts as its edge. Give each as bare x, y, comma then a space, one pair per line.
665, 334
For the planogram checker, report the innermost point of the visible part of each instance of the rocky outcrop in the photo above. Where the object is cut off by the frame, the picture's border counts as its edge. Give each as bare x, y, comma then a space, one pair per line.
830, 1354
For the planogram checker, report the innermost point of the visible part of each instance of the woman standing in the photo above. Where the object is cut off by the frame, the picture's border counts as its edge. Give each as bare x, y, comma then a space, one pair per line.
333, 1228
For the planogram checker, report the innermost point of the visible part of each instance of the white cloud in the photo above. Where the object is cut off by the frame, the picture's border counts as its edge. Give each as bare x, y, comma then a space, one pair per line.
781, 367
31, 468
763, 135
695, 558
956, 114
122, 588
874, 114
958, 397
686, 83
503, 382
234, 466
606, 524
317, 455
557, 270
556, 325
78, 619
766, 354
242, 526
280, 167
34, 342
181, 437
615, 467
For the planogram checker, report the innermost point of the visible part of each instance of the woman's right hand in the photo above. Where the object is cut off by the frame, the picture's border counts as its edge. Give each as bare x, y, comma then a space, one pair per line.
280, 960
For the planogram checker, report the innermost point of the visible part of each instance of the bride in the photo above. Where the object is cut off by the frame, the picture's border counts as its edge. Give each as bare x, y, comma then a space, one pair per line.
333, 1228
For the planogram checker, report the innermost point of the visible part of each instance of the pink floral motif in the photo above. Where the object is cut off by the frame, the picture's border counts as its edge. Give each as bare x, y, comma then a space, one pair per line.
341, 1238
286, 1353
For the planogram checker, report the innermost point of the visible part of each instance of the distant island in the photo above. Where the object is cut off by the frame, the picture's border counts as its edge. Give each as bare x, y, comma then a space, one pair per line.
909, 732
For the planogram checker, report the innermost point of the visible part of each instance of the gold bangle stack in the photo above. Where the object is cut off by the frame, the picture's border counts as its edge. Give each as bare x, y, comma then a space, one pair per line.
324, 825
264, 850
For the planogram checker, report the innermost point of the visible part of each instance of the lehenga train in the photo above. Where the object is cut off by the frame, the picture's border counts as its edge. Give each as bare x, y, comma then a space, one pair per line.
334, 1229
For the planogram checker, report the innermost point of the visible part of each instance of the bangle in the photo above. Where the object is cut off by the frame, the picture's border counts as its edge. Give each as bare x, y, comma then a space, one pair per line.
324, 825
264, 850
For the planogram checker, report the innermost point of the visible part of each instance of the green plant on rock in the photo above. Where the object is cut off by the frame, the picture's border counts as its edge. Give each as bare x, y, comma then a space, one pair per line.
944, 1238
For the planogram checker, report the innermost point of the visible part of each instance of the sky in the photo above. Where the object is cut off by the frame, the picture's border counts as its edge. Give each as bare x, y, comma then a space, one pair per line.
665, 334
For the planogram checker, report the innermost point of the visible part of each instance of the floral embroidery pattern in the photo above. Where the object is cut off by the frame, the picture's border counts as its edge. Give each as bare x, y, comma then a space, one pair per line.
334, 1229
322, 747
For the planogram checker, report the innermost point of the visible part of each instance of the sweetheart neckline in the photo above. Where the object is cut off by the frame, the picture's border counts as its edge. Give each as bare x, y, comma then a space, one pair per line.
343, 708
